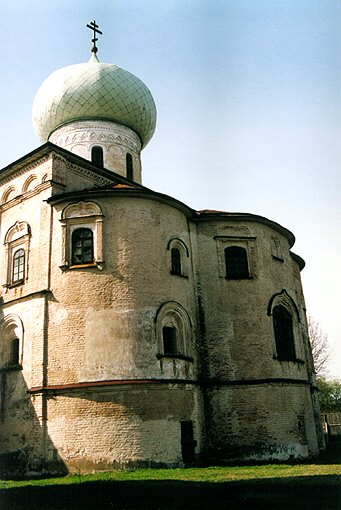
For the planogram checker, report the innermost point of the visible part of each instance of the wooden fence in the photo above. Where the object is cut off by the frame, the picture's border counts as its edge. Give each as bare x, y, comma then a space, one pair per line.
331, 423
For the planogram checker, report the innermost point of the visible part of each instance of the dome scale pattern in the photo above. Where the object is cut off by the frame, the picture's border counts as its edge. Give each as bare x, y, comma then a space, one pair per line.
94, 91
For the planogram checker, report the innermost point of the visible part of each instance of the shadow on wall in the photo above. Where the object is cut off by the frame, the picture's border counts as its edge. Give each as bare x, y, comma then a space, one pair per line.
25, 447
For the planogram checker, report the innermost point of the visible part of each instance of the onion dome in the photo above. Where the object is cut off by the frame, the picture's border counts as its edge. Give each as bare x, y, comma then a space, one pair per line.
94, 91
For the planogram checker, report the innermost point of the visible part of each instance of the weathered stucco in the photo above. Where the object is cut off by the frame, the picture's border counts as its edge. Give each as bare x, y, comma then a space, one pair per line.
94, 389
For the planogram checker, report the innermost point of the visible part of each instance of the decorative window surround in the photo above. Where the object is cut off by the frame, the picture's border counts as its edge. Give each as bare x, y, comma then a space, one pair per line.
17, 237
82, 215
178, 244
276, 249
246, 242
280, 302
11, 343
172, 315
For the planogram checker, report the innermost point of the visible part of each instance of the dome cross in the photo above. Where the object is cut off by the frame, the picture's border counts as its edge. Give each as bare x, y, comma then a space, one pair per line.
93, 26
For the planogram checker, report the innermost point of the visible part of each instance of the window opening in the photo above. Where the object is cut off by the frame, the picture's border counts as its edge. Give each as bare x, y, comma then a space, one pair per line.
169, 340
18, 265
14, 353
175, 261
236, 263
129, 166
284, 335
97, 155
82, 246
188, 443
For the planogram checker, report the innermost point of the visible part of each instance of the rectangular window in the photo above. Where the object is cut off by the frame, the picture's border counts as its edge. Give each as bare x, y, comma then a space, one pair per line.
82, 246
18, 266
169, 340
236, 263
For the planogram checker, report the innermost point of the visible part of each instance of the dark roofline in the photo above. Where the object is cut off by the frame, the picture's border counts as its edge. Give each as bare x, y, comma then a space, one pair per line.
129, 191
31, 157
196, 216
207, 214
135, 189
300, 262
48, 148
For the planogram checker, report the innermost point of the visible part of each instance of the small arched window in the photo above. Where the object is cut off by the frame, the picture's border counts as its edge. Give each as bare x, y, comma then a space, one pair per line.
82, 246
97, 155
284, 333
18, 272
236, 263
129, 166
169, 335
14, 352
175, 261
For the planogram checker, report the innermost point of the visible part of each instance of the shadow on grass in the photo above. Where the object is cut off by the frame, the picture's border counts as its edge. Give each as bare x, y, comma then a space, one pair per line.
304, 493
332, 454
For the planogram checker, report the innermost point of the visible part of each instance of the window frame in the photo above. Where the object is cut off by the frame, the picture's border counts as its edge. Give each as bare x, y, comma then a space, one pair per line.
79, 215
237, 268
20, 267
284, 333
73, 246
11, 330
284, 300
17, 238
276, 249
184, 260
173, 315
247, 242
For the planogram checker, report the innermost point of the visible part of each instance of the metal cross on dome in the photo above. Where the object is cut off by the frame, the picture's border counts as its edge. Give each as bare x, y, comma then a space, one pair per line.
93, 26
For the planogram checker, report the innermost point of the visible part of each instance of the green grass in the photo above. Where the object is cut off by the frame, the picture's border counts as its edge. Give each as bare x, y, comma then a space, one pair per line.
210, 474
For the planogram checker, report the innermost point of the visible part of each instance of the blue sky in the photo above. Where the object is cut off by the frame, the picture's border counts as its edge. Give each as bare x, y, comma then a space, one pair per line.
248, 94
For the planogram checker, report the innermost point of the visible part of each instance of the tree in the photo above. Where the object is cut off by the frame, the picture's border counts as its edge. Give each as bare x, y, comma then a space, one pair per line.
319, 346
329, 395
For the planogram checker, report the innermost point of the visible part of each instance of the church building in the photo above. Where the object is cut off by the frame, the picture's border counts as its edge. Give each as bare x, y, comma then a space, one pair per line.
134, 330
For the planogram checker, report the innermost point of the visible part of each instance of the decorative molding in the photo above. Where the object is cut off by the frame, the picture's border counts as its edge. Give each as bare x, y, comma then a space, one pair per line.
81, 209
28, 183
283, 298
27, 168
78, 170
19, 229
21, 198
6, 194
87, 132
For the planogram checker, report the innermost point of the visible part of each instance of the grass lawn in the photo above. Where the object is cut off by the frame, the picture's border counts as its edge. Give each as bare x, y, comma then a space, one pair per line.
274, 487
272, 472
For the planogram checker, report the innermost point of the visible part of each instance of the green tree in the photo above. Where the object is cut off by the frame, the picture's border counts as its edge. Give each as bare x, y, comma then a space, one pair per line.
319, 347
329, 395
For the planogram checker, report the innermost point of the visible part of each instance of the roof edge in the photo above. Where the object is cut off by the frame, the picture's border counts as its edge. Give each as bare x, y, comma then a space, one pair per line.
207, 214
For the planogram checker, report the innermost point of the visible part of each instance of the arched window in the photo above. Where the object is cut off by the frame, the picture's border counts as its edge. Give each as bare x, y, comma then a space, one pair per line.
284, 334
169, 336
175, 261
18, 272
17, 244
82, 246
14, 352
178, 257
236, 263
129, 166
97, 155
174, 331
12, 341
